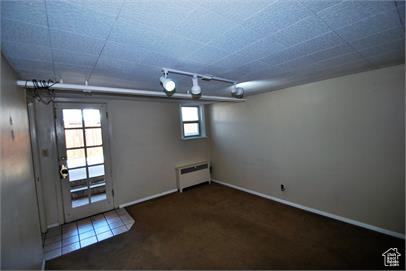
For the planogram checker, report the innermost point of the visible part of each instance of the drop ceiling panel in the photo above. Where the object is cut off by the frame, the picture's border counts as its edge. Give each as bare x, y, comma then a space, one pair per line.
17, 50
30, 11
75, 43
127, 43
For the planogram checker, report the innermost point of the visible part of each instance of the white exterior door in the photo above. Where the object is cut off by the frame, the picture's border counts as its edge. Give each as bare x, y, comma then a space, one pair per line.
84, 160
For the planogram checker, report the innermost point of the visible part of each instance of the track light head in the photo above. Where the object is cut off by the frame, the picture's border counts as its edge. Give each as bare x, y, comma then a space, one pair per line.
196, 90
237, 92
168, 84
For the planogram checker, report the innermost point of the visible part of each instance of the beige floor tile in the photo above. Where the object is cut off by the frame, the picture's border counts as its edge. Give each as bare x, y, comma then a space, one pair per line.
104, 235
119, 230
88, 241
87, 235
52, 254
52, 246
70, 247
102, 229
70, 240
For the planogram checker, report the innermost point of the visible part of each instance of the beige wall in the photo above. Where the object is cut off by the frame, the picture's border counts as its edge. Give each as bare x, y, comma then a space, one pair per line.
337, 145
145, 146
21, 245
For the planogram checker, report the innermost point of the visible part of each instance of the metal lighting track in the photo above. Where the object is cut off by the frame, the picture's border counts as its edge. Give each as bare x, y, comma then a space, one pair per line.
207, 77
126, 91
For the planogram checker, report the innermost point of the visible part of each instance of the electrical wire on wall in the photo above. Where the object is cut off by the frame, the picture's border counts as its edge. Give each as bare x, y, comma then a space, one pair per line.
38, 93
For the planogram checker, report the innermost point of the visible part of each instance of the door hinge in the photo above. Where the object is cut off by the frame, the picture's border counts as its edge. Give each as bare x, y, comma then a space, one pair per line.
107, 114
54, 110
112, 192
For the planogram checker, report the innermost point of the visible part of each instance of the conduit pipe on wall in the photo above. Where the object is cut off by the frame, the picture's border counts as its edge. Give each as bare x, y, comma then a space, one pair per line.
126, 91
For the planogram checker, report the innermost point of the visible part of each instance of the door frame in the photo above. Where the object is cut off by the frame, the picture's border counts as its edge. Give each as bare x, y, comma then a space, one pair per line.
106, 131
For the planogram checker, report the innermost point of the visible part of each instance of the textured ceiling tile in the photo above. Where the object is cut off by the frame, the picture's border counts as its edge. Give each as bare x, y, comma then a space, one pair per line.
176, 46
337, 60
303, 30
341, 49
75, 43
322, 42
379, 38
206, 55
74, 58
30, 65
255, 66
135, 34
278, 15
126, 70
26, 51
370, 26
251, 53
24, 33
159, 14
319, 5
124, 52
263, 47
235, 39
72, 73
108, 7
350, 12
396, 46
72, 18
203, 25
32, 11
36, 74
294, 64
235, 9
387, 58
191, 66
159, 60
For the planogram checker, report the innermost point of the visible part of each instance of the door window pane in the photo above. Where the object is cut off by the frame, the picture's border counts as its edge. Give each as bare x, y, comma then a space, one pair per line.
191, 129
74, 138
190, 113
95, 156
91, 117
96, 171
76, 158
98, 191
72, 118
79, 196
93, 137
77, 174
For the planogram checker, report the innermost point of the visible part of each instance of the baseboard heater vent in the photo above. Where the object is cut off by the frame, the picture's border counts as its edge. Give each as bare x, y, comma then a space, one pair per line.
192, 174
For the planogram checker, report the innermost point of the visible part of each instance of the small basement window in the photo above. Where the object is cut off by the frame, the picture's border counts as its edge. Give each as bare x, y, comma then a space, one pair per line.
192, 121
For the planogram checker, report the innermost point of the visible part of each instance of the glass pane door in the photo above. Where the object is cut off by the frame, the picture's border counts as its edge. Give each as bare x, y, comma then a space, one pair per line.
82, 147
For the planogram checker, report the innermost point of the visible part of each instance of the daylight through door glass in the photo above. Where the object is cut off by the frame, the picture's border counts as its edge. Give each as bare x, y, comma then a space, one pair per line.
84, 155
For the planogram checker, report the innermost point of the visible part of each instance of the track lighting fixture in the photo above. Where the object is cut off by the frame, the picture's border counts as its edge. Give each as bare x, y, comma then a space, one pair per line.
196, 91
168, 84
237, 92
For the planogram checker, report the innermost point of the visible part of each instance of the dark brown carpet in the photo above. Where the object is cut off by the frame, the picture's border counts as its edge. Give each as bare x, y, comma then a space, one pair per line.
216, 227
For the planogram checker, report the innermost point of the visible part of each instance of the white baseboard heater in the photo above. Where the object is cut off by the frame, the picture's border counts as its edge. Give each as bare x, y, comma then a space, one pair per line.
192, 174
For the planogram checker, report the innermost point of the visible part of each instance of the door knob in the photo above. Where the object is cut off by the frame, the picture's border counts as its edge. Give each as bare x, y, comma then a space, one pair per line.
64, 172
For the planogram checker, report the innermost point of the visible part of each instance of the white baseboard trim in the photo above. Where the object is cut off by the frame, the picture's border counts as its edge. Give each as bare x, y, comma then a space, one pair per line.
52, 225
333, 216
148, 198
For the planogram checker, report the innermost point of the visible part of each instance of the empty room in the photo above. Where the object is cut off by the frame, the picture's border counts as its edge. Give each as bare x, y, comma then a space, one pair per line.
202, 134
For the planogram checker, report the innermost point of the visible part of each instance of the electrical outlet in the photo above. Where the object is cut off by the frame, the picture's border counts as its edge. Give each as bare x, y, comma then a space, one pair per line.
283, 187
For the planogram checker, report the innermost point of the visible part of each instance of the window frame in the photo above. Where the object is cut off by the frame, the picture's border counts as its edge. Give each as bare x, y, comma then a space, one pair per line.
200, 122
